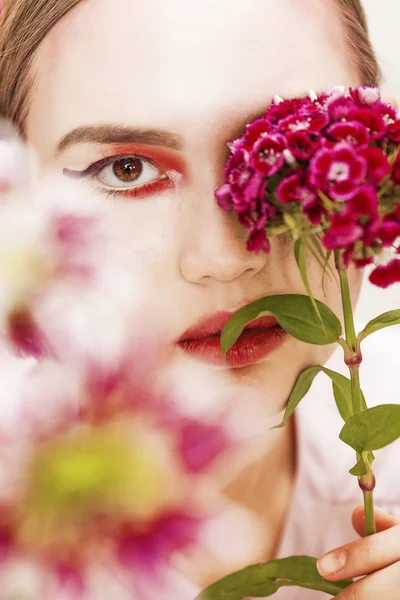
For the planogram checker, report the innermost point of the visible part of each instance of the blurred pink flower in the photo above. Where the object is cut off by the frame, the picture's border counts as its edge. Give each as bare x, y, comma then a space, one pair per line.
62, 272
100, 472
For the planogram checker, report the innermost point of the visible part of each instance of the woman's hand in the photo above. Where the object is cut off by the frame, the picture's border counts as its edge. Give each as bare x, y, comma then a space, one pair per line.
375, 558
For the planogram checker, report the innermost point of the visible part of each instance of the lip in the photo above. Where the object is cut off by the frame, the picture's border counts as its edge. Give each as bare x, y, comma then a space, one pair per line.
259, 339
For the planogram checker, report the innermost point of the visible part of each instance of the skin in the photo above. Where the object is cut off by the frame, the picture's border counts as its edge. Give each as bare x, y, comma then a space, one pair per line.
201, 72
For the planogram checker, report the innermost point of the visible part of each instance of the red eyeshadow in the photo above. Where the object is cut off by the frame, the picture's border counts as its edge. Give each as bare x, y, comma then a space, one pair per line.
165, 158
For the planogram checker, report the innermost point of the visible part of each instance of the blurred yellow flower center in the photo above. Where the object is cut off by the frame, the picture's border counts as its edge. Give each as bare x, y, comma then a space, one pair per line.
24, 270
106, 471
80, 474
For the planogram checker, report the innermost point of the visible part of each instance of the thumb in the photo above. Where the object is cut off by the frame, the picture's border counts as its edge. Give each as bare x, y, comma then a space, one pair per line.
383, 520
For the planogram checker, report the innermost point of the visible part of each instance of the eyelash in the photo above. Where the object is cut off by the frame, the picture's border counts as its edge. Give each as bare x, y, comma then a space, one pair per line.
139, 191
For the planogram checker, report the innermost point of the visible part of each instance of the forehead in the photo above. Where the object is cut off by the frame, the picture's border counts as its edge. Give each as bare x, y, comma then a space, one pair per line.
181, 65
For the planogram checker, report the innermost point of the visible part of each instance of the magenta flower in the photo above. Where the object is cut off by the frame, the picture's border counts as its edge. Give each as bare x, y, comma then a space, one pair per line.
256, 130
377, 164
390, 228
387, 112
314, 210
301, 145
255, 190
365, 95
331, 162
372, 120
337, 172
312, 121
278, 111
258, 241
289, 188
267, 155
393, 131
343, 231
364, 203
340, 109
385, 275
351, 132
358, 221
238, 160
396, 170
292, 189
389, 231
224, 196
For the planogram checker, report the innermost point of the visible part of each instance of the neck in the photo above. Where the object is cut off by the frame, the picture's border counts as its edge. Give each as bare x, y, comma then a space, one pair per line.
265, 487
263, 490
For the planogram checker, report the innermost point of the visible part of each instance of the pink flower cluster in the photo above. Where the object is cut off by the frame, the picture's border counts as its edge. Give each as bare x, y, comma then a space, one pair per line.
332, 162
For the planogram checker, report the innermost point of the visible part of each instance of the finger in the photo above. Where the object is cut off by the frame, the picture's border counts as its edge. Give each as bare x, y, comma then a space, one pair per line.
363, 556
383, 520
382, 585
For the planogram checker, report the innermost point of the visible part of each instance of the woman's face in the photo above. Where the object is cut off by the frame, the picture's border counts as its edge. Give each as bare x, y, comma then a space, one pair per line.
171, 83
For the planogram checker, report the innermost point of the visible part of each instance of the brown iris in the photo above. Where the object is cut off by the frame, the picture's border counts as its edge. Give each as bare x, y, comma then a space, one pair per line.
128, 169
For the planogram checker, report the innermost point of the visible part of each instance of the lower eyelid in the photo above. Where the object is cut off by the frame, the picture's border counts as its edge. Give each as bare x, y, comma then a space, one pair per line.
140, 191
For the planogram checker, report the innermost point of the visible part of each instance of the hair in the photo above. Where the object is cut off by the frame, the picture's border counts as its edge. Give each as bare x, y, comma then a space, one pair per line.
26, 23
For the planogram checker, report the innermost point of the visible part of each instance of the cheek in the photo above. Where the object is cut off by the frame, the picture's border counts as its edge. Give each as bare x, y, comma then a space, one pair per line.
146, 228
325, 288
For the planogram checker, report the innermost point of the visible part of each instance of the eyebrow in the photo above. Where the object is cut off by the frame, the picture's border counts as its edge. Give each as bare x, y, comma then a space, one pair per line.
117, 134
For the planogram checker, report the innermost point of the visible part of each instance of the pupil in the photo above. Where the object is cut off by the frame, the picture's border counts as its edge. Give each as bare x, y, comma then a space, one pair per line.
128, 169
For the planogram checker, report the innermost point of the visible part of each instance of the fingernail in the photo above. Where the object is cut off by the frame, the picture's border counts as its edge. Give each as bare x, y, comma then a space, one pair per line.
331, 563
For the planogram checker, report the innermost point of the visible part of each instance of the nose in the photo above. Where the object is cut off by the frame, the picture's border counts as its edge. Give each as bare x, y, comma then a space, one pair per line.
214, 246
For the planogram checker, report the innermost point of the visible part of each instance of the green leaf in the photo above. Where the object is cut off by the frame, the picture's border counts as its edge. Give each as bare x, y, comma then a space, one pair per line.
260, 581
341, 390
300, 255
341, 386
387, 319
326, 268
301, 387
373, 428
342, 393
314, 253
290, 221
359, 468
364, 465
325, 255
294, 312
326, 201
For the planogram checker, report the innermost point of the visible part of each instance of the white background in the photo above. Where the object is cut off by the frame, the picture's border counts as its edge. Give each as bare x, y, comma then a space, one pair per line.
384, 24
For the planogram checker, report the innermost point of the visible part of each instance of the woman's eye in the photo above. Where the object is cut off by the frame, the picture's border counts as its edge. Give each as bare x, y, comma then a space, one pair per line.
124, 175
127, 172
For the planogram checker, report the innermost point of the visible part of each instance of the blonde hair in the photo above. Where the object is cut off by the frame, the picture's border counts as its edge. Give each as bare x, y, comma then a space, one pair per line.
27, 22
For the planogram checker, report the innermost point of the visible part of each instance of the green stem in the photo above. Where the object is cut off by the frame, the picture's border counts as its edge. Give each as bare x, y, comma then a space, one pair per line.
353, 360
370, 527
356, 389
351, 336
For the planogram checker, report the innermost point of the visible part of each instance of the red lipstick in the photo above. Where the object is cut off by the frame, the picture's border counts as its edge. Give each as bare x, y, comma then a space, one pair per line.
259, 339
